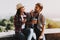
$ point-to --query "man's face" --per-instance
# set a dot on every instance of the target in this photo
(37, 8)
(22, 9)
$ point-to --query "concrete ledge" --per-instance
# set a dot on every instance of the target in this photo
(47, 31)
(7, 34)
(50, 34)
(51, 31)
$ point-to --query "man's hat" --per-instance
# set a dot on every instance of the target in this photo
(19, 6)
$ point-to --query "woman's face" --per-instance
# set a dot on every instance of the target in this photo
(22, 9)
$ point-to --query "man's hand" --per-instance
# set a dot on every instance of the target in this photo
(31, 12)
(41, 37)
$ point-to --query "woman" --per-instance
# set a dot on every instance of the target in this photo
(19, 21)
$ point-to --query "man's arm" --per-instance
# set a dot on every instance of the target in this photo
(43, 24)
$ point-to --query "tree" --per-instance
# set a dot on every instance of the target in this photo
(0, 30)
(2, 23)
(11, 18)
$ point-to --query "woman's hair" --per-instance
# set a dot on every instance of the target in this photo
(18, 12)
(17, 15)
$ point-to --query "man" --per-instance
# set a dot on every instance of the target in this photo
(41, 21)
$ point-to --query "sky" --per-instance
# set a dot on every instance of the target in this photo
(51, 8)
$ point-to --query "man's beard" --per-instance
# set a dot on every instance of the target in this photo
(36, 11)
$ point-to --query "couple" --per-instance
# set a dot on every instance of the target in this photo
(23, 23)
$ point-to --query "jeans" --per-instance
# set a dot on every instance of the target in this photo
(32, 34)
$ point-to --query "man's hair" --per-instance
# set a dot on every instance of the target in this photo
(40, 5)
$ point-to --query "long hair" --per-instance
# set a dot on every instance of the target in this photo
(17, 16)
(18, 12)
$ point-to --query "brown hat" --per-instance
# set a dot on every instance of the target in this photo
(19, 6)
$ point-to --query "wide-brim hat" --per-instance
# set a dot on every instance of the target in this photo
(19, 5)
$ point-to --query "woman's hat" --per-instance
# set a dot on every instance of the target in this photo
(19, 6)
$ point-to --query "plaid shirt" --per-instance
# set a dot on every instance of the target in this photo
(17, 23)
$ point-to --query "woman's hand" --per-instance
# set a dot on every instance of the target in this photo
(24, 20)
